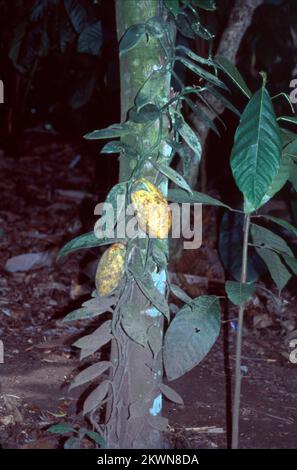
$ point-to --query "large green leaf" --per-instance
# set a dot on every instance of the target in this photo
(256, 153)
(238, 292)
(191, 335)
(180, 196)
(282, 223)
(278, 181)
(234, 74)
(277, 269)
(87, 240)
(267, 239)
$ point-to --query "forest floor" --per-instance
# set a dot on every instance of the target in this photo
(47, 198)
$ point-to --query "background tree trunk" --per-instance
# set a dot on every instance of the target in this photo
(239, 21)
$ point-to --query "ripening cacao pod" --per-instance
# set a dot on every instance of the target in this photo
(152, 210)
(110, 269)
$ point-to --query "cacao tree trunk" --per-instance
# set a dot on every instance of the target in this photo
(133, 418)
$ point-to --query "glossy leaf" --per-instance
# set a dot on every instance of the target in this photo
(256, 153)
(278, 181)
(277, 269)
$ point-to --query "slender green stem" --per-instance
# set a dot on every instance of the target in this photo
(236, 403)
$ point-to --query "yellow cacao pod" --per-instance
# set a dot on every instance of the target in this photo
(110, 269)
(152, 210)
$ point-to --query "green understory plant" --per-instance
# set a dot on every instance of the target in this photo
(263, 160)
(152, 131)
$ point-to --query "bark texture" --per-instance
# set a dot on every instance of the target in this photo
(239, 21)
(134, 416)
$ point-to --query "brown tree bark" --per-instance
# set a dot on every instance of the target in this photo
(134, 414)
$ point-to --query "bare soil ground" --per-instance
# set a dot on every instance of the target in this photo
(44, 203)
